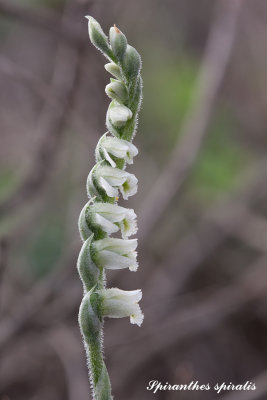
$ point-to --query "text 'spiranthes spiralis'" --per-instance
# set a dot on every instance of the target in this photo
(102, 216)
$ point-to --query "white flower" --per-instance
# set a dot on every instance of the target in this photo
(119, 114)
(121, 303)
(109, 217)
(117, 147)
(113, 253)
(112, 179)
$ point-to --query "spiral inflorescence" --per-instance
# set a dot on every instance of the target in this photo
(102, 216)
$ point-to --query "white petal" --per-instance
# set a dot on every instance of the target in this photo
(134, 264)
(121, 303)
(137, 318)
(114, 176)
(111, 260)
(129, 187)
(128, 226)
(105, 224)
(109, 189)
(119, 148)
(132, 152)
(119, 114)
(112, 212)
(119, 246)
(108, 158)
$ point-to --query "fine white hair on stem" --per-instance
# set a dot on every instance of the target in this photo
(102, 216)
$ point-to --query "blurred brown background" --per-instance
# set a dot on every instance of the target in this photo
(201, 204)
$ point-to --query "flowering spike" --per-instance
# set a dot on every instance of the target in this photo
(102, 216)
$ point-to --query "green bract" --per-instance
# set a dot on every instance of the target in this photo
(102, 216)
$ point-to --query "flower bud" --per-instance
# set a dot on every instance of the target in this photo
(117, 90)
(98, 37)
(118, 114)
(131, 63)
(119, 303)
(118, 42)
(114, 70)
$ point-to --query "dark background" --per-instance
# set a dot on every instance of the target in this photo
(201, 202)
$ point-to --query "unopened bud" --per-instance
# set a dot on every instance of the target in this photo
(114, 70)
(98, 37)
(117, 90)
(119, 114)
(118, 42)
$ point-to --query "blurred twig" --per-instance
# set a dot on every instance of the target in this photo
(207, 235)
(51, 124)
(37, 85)
(26, 308)
(69, 349)
(216, 57)
(196, 319)
(3, 264)
(44, 19)
(256, 235)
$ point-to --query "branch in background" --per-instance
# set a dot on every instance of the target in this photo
(51, 124)
(66, 345)
(43, 19)
(23, 75)
(207, 235)
(199, 318)
(3, 264)
(252, 231)
(26, 308)
(216, 58)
